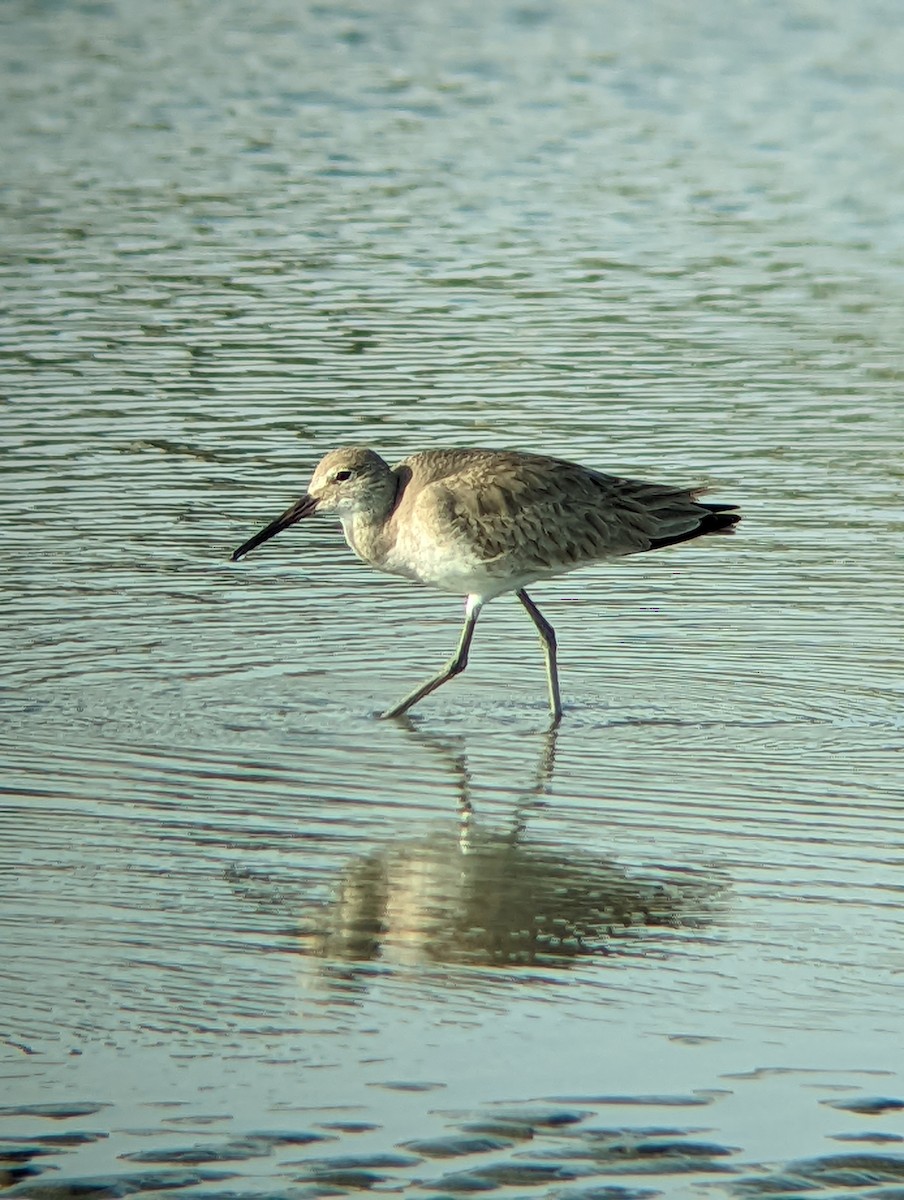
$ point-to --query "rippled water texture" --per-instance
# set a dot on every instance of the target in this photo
(255, 942)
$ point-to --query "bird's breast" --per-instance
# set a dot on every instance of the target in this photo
(411, 551)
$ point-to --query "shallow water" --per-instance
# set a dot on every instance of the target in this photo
(256, 942)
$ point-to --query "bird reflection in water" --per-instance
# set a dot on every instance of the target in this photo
(469, 894)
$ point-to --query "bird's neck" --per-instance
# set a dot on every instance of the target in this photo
(370, 535)
(362, 532)
(371, 532)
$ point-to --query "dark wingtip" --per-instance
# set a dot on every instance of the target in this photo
(718, 518)
(721, 518)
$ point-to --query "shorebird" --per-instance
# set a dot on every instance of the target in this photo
(481, 523)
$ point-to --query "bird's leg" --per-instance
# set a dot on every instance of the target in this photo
(454, 666)
(548, 638)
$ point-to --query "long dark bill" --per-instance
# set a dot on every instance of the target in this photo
(304, 507)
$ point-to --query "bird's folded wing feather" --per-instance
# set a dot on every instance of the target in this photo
(553, 514)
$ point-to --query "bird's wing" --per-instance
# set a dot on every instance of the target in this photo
(551, 514)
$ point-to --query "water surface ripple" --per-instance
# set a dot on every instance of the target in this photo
(257, 943)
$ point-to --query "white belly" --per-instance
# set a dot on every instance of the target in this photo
(450, 566)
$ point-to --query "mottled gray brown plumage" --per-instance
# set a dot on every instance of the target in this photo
(483, 522)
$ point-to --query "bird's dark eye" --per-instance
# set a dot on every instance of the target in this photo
(341, 476)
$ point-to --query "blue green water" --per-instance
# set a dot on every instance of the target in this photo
(657, 954)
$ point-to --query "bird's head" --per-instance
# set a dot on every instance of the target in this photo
(346, 483)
